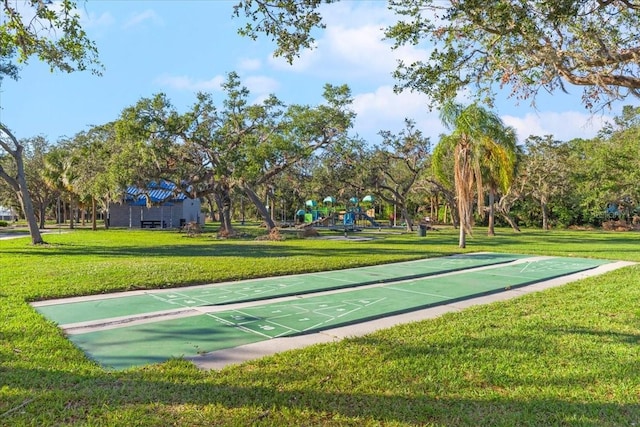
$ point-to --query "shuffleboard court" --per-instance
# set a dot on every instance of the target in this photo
(110, 306)
(199, 333)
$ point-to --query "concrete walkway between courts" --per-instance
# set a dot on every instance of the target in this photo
(221, 324)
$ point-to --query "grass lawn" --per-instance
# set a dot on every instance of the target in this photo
(568, 356)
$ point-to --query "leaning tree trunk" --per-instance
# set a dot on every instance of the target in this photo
(19, 185)
(504, 209)
(264, 212)
(407, 219)
(27, 208)
(511, 222)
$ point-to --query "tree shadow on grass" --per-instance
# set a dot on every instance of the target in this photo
(461, 379)
(226, 249)
(63, 397)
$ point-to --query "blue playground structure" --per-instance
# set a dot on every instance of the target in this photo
(348, 218)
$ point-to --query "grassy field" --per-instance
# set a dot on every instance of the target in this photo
(568, 356)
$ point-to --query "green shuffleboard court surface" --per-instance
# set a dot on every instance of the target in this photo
(123, 346)
(107, 307)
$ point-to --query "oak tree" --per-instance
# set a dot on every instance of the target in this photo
(50, 31)
(525, 47)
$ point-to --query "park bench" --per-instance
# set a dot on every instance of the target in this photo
(152, 223)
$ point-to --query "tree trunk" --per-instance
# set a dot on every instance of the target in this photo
(107, 215)
(462, 240)
(94, 214)
(491, 231)
(450, 208)
(19, 185)
(545, 215)
(432, 209)
(223, 200)
(72, 214)
(510, 221)
(27, 208)
(212, 214)
(42, 215)
(455, 217)
(504, 208)
(264, 212)
(407, 219)
(272, 210)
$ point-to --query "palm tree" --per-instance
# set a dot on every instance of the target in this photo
(479, 140)
(60, 173)
(498, 167)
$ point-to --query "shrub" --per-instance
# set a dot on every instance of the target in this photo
(274, 235)
(309, 232)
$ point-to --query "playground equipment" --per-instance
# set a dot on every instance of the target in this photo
(349, 218)
(329, 200)
(358, 214)
(313, 215)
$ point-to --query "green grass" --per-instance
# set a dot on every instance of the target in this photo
(567, 356)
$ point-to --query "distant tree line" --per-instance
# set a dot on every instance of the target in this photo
(269, 151)
(262, 161)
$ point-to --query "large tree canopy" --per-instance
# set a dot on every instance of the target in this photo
(52, 32)
(525, 46)
(49, 30)
(214, 149)
(288, 22)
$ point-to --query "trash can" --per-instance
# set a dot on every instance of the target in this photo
(422, 230)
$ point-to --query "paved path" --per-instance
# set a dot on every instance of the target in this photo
(25, 233)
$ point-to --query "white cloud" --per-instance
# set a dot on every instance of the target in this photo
(353, 45)
(93, 21)
(359, 47)
(142, 17)
(188, 83)
(249, 64)
(260, 85)
(564, 126)
(384, 109)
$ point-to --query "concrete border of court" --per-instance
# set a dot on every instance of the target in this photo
(223, 358)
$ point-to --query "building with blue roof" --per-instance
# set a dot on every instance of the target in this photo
(160, 205)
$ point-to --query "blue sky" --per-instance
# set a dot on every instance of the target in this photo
(181, 47)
